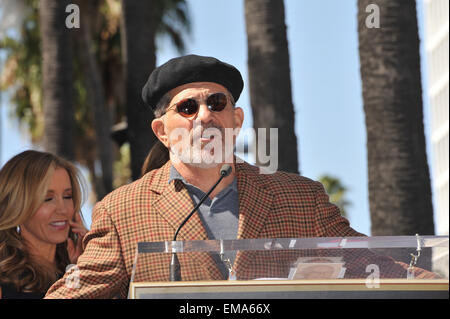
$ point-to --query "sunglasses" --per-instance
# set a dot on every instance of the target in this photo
(189, 107)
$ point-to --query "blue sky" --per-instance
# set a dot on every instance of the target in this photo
(327, 94)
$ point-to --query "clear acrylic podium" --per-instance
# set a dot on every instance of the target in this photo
(293, 268)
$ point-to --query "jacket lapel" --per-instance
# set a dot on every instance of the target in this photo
(174, 204)
(255, 205)
(255, 201)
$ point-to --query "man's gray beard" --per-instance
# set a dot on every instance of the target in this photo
(196, 157)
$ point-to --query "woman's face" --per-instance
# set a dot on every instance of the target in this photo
(50, 223)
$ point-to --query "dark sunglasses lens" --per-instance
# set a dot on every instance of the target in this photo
(217, 102)
(187, 107)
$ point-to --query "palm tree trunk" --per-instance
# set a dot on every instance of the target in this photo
(57, 79)
(399, 181)
(269, 77)
(138, 49)
(96, 97)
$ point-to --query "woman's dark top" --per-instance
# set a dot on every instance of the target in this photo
(9, 291)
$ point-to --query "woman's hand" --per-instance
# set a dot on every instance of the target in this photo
(75, 249)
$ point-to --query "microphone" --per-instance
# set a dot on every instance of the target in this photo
(175, 273)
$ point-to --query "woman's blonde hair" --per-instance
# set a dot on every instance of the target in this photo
(23, 185)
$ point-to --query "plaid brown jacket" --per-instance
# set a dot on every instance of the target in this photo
(279, 205)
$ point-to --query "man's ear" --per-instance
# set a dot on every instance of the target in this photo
(238, 117)
(158, 128)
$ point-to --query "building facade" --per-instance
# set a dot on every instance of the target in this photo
(436, 46)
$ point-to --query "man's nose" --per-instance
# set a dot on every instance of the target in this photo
(204, 113)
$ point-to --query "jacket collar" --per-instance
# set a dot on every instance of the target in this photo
(174, 202)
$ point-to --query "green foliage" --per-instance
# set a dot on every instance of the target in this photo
(336, 191)
(173, 21)
(123, 165)
(22, 73)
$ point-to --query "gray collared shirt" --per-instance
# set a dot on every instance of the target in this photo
(219, 215)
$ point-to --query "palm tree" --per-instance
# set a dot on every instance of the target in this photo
(97, 80)
(57, 79)
(269, 77)
(96, 95)
(399, 181)
(336, 191)
(139, 59)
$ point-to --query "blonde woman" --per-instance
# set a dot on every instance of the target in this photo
(41, 228)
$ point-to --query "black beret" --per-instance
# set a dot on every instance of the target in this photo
(189, 69)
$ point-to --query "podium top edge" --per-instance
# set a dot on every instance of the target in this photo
(374, 242)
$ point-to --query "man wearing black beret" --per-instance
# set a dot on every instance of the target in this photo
(194, 98)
